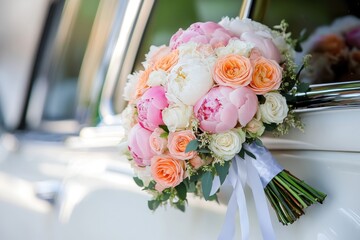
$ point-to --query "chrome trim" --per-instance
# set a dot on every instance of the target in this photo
(329, 96)
(128, 29)
(245, 10)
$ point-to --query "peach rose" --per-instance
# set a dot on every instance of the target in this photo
(157, 143)
(177, 143)
(197, 162)
(266, 77)
(167, 62)
(141, 86)
(167, 171)
(233, 70)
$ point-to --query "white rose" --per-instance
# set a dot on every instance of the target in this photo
(235, 46)
(157, 78)
(275, 109)
(189, 80)
(226, 145)
(177, 116)
(130, 87)
(255, 128)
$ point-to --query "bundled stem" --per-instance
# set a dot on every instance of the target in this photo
(289, 196)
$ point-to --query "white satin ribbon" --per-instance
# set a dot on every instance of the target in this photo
(242, 172)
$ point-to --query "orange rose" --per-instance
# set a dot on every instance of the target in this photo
(167, 62)
(141, 86)
(233, 70)
(167, 171)
(177, 143)
(266, 77)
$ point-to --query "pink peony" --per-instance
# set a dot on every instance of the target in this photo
(215, 111)
(139, 145)
(265, 45)
(150, 107)
(205, 33)
(246, 103)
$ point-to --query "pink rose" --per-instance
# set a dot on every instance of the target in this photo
(215, 111)
(177, 143)
(150, 107)
(139, 145)
(157, 143)
(208, 32)
(246, 103)
(353, 37)
(265, 45)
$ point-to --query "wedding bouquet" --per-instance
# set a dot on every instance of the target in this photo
(335, 51)
(197, 110)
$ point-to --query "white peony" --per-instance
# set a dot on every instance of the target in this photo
(203, 52)
(130, 87)
(144, 173)
(154, 53)
(177, 116)
(239, 26)
(275, 109)
(227, 145)
(188, 81)
(235, 46)
(128, 118)
(157, 78)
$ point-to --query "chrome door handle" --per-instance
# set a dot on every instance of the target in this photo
(48, 190)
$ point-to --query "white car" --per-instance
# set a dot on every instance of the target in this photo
(63, 65)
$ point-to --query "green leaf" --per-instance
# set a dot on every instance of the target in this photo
(191, 187)
(153, 204)
(192, 146)
(261, 99)
(180, 205)
(165, 128)
(165, 196)
(181, 191)
(151, 186)
(222, 170)
(270, 127)
(250, 154)
(206, 184)
(303, 87)
(290, 98)
(259, 142)
(242, 153)
(164, 135)
(204, 150)
(138, 181)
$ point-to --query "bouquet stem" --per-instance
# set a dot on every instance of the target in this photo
(289, 196)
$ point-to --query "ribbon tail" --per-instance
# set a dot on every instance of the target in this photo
(261, 206)
(238, 200)
(215, 185)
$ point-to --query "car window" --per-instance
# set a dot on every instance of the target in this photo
(332, 35)
(21, 25)
(67, 86)
(166, 18)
